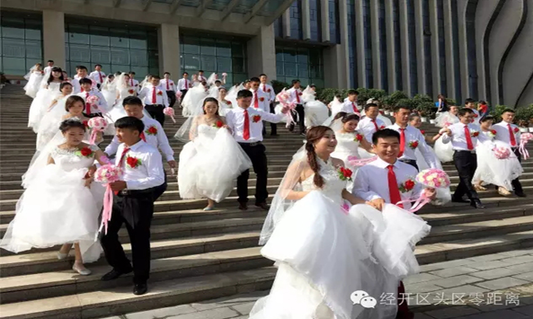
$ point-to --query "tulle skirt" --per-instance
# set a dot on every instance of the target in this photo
(192, 102)
(34, 83)
(49, 125)
(444, 151)
(491, 170)
(55, 209)
(208, 167)
(324, 255)
(39, 107)
(110, 96)
(316, 113)
(343, 155)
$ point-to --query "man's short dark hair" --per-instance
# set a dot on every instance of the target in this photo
(185, 73)
(255, 79)
(166, 73)
(352, 92)
(508, 110)
(132, 100)
(131, 123)
(131, 72)
(369, 105)
(243, 94)
(63, 84)
(399, 107)
(155, 76)
(50, 61)
(86, 81)
(312, 86)
(81, 67)
(295, 81)
(262, 74)
(469, 100)
(384, 133)
(200, 71)
(97, 65)
(464, 111)
(218, 81)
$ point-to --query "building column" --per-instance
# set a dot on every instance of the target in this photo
(306, 20)
(463, 49)
(435, 65)
(421, 57)
(451, 73)
(391, 62)
(286, 23)
(404, 36)
(360, 45)
(376, 48)
(261, 51)
(54, 37)
(337, 58)
(324, 18)
(169, 50)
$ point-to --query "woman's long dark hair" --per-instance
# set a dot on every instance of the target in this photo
(210, 99)
(314, 134)
(51, 77)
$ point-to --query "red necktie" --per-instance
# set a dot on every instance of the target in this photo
(402, 142)
(468, 138)
(154, 98)
(131, 82)
(186, 85)
(511, 135)
(375, 125)
(355, 110)
(246, 132)
(121, 161)
(100, 74)
(256, 100)
(264, 88)
(142, 136)
(297, 96)
(394, 192)
(168, 89)
(87, 105)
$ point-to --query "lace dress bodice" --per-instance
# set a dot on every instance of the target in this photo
(206, 131)
(72, 159)
(125, 92)
(333, 185)
(488, 135)
(347, 145)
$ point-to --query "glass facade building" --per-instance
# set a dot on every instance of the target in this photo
(305, 64)
(21, 42)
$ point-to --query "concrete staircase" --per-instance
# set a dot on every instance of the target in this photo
(201, 255)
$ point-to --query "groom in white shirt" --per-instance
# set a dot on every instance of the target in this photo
(388, 180)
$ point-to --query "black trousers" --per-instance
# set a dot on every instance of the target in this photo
(171, 98)
(183, 92)
(273, 126)
(299, 118)
(156, 111)
(410, 162)
(517, 186)
(466, 164)
(136, 212)
(257, 153)
(159, 190)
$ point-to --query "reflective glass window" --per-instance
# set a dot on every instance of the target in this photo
(305, 64)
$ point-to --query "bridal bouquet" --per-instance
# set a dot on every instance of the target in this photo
(97, 125)
(107, 174)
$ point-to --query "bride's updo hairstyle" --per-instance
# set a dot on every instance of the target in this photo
(313, 135)
(70, 123)
(346, 117)
(71, 100)
(210, 99)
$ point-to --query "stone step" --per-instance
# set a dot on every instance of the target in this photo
(119, 300)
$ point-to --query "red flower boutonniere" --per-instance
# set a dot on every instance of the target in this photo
(228, 102)
(474, 133)
(382, 112)
(407, 186)
(269, 90)
(159, 93)
(382, 127)
(358, 137)
(130, 91)
(492, 133)
(413, 144)
(345, 174)
(171, 84)
(423, 132)
(218, 124)
(152, 130)
(300, 93)
(133, 162)
(256, 118)
(85, 152)
(261, 99)
(476, 116)
(516, 130)
(86, 124)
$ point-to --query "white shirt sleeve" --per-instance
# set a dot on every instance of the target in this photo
(269, 117)
(163, 144)
(112, 148)
(361, 187)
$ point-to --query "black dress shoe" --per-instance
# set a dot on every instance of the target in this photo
(140, 289)
(459, 200)
(113, 274)
(476, 203)
(273, 135)
(521, 194)
(263, 206)
(243, 206)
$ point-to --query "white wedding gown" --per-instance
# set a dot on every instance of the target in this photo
(210, 164)
(323, 254)
(41, 103)
(491, 170)
(50, 122)
(56, 208)
(34, 82)
(347, 145)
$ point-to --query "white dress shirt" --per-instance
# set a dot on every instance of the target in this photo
(146, 95)
(295, 95)
(502, 133)
(264, 104)
(184, 84)
(458, 138)
(102, 103)
(169, 87)
(159, 140)
(76, 86)
(48, 69)
(269, 91)
(149, 173)
(201, 78)
(413, 134)
(367, 127)
(95, 75)
(134, 84)
(235, 121)
(372, 181)
(348, 106)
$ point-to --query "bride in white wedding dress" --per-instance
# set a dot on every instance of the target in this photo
(324, 252)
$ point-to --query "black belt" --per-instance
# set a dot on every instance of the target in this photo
(406, 160)
(463, 151)
(251, 144)
(154, 105)
(131, 192)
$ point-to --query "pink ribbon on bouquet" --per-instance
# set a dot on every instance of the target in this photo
(524, 139)
(345, 208)
(107, 174)
(354, 161)
(170, 112)
(419, 202)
